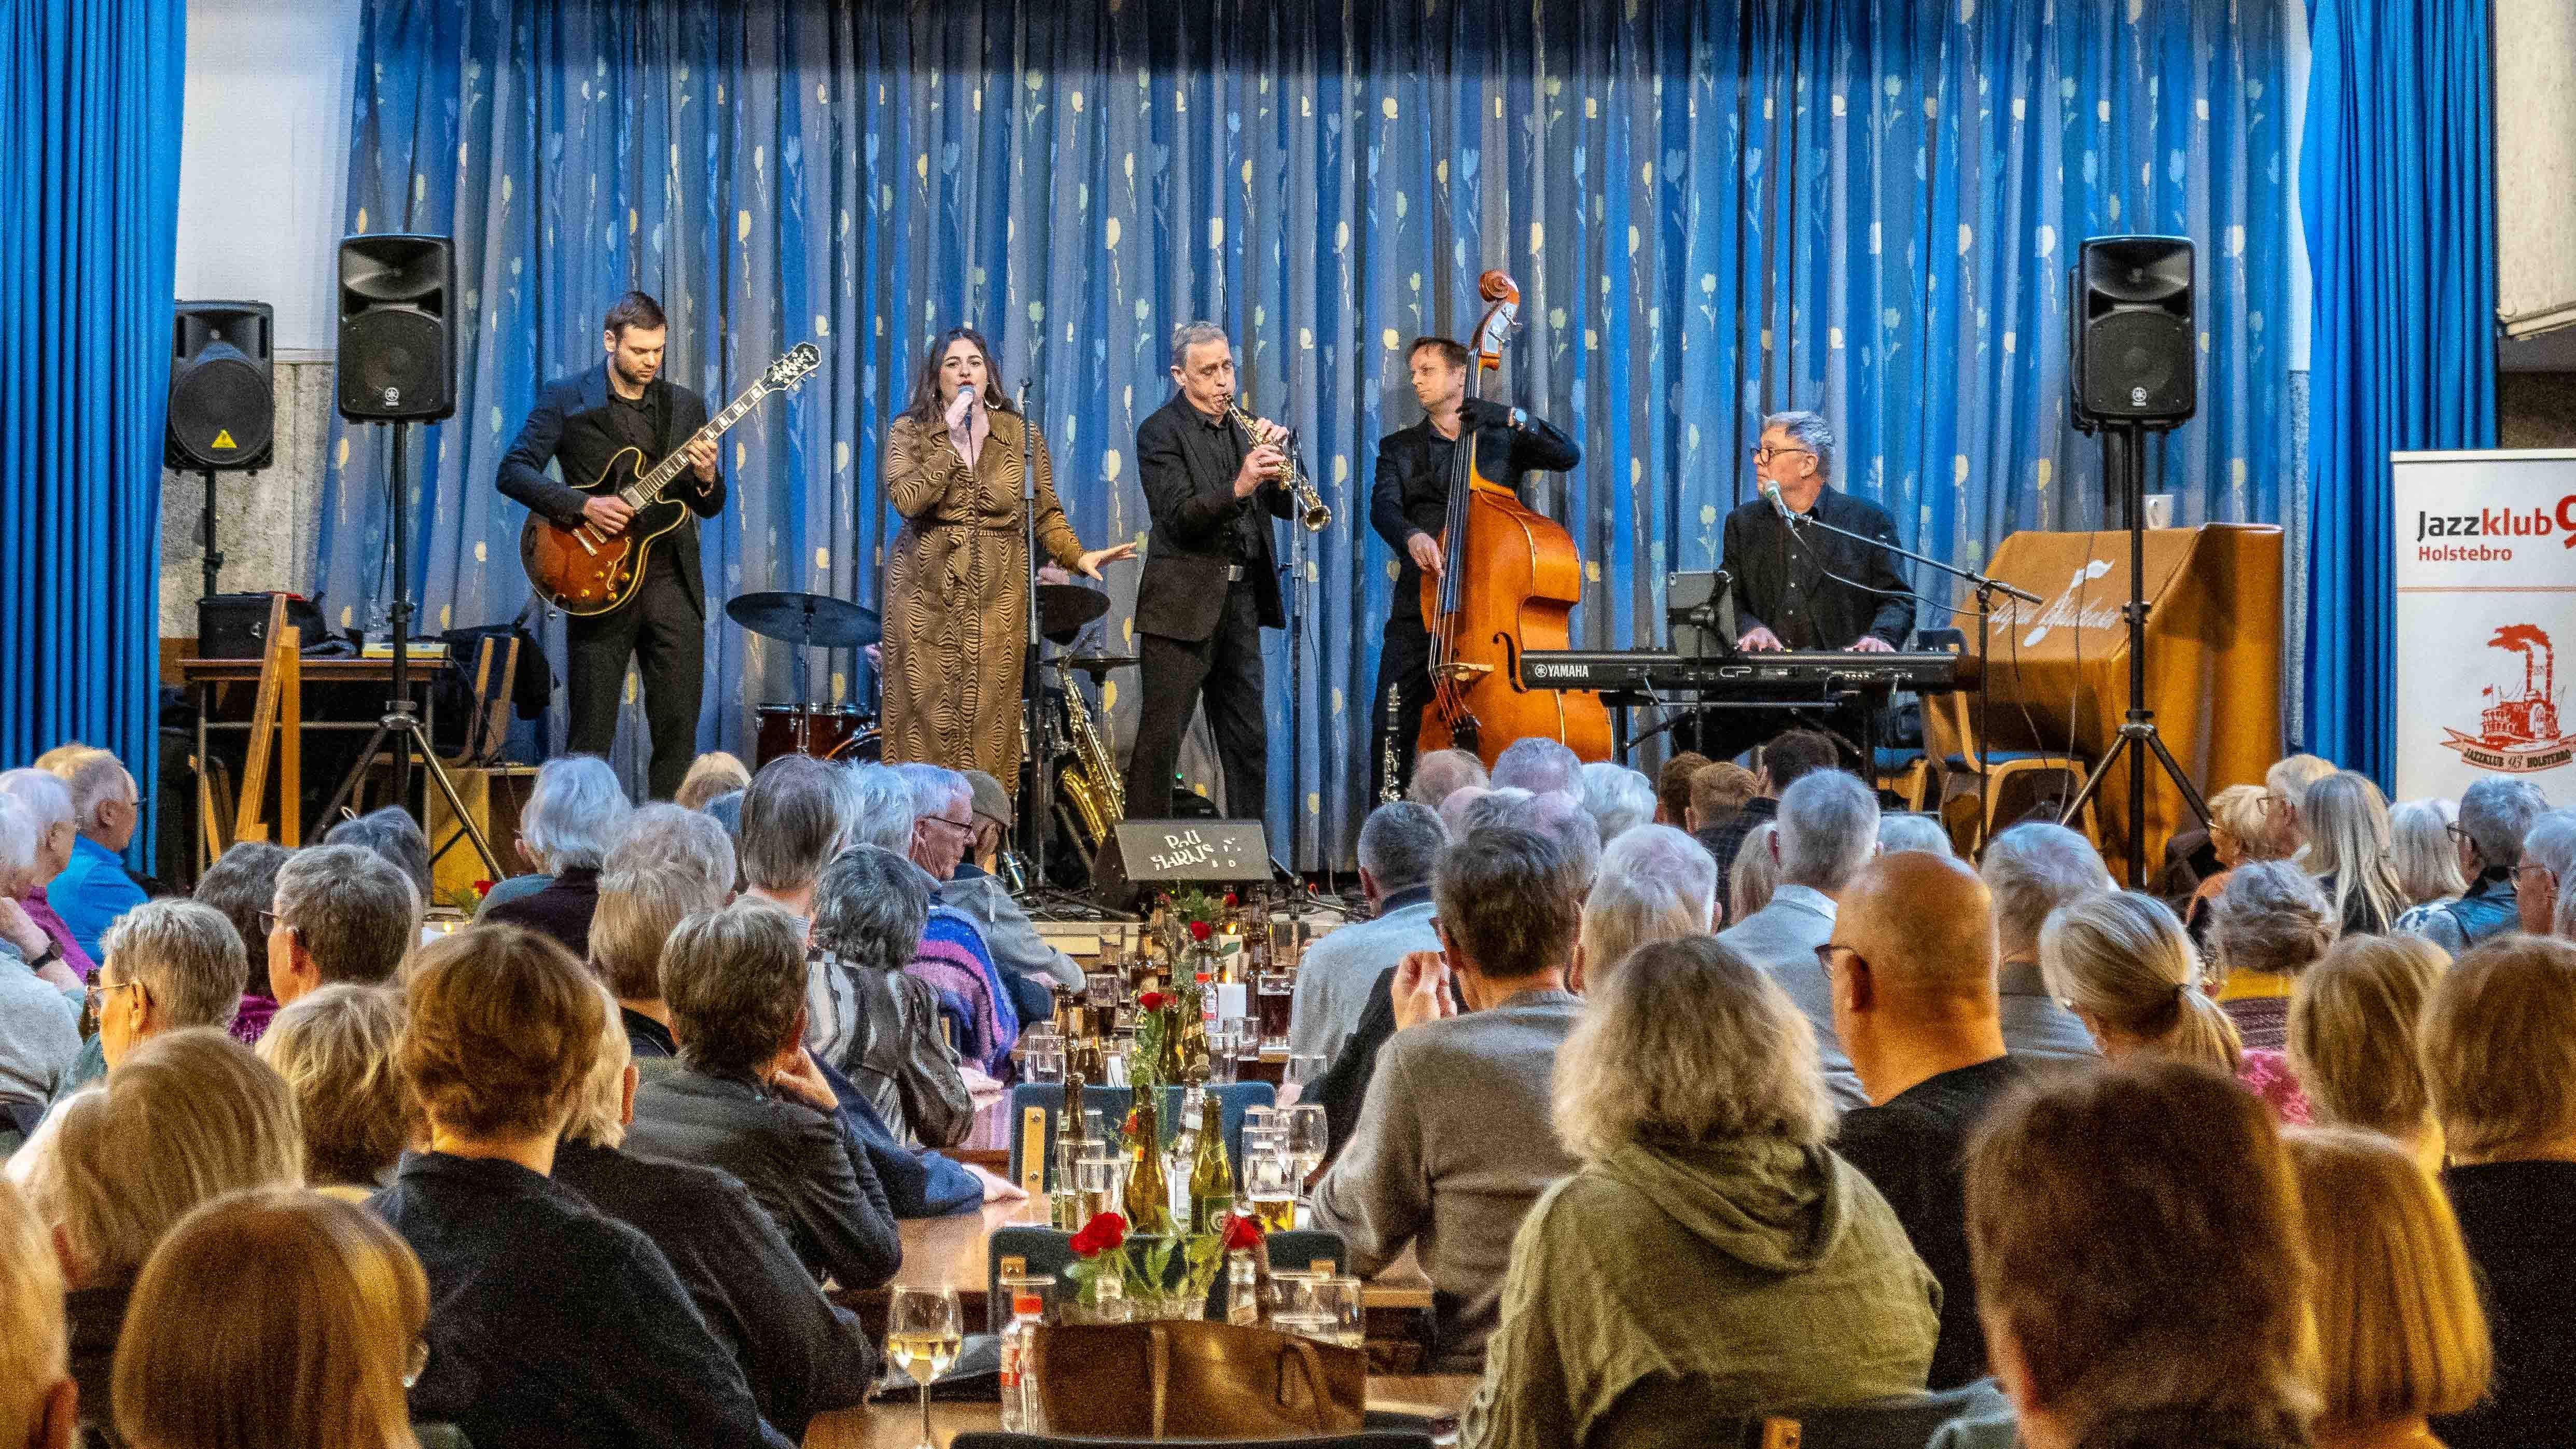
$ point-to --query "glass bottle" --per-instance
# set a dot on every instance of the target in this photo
(1149, 1207)
(1211, 1178)
(1242, 1289)
(1020, 1412)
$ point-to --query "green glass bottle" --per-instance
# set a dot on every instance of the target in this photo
(1149, 1204)
(1211, 1178)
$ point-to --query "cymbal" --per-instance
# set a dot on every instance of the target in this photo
(1063, 609)
(813, 619)
(1097, 665)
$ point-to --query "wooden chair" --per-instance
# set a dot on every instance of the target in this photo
(1950, 735)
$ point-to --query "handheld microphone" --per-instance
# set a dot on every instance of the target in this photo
(1771, 491)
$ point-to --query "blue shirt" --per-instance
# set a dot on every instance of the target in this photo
(92, 893)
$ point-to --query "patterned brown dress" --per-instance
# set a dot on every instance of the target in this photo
(956, 601)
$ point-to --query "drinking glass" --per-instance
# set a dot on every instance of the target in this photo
(1258, 1117)
(1300, 1071)
(1308, 1135)
(1221, 1058)
(923, 1331)
(1273, 998)
(1041, 1054)
(1097, 1176)
(1101, 992)
(1269, 1187)
(1336, 1309)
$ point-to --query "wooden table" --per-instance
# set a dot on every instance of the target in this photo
(896, 1424)
(207, 677)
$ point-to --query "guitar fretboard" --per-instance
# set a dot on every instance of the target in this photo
(647, 490)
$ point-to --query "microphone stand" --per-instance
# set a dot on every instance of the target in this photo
(1037, 812)
(1986, 588)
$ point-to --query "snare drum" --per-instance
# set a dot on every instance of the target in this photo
(825, 731)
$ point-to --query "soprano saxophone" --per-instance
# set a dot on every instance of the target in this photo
(1310, 504)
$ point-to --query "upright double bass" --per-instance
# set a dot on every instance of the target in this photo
(1508, 579)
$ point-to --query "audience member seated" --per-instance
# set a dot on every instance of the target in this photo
(40, 1041)
(1913, 961)
(726, 810)
(878, 807)
(1440, 774)
(1909, 831)
(2285, 791)
(2270, 924)
(94, 889)
(1786, 760)
(393, 834)
(663, 833)
(717, 772)
(171, 964)
(341, 913)
(47, 805)
(242, 883)
(1399, 842)
(1673, 788)
(2428, 864)
(1617, 798)
(1710, 1258)
(2548, 857)
(36, 1389)
(2400, 1336)
(1756, 875)
(339, 1051)
(981, 893)
(2495, 814)
(1539, 765)
(2143, 1287)
(2122, 963)
(2356, 1039)
(549, 1323)
(751, 1100)
(864, 1016)
(1559, 815)
(2241, 828)
(2029, 871)
(574, 815)
(1655, 884)
(273, 1317)
(800, 1354)
(188, 1117)
(943, 837)
(1461, 804)
(1453, 1142)
(791, 826)
(1828, 831)
(1719, 791)
(2500, 1058)
(641, 903)
(2349, 852)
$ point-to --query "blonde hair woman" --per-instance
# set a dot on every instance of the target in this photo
(2240, 829)
(2428, 864)
(335, 1048)
(717, 772)
(2401, 1337)
(273, 1317)
(1755, 874)
(2355, 1043)
(2122, 963)
(2350, 852)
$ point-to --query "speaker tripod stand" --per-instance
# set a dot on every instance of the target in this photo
(399, 731)
(2124, 464)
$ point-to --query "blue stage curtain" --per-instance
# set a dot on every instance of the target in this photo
(89, 201)
(1714, 210)
(2397, 183)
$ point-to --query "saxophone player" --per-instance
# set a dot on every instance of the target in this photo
(1210, 586)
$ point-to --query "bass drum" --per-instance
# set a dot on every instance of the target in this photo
(825, 731)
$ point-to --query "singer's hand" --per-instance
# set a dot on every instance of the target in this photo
(1260, 466)
(1760, 638)
(607, 515)
(1871, 644)
(1091, 562)
(962, 406)
(1425, 551)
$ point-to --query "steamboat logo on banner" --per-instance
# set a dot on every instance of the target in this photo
(2518, 727)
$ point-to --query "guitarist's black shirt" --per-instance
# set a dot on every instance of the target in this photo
(630, 425)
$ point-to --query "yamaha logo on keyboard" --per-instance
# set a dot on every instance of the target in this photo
(1557, 671)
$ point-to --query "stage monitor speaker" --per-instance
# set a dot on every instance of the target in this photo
(397, 328)
(222, 414)
(2132, 352)
(1139, 853)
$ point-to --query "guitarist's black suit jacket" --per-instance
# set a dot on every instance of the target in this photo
(570, 425)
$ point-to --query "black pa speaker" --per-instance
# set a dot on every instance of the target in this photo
(397, 328)
(222, 414)
(2132, 352)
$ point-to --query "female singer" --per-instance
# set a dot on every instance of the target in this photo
(956, 588)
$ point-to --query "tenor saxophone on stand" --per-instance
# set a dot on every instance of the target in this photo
(1310, 505)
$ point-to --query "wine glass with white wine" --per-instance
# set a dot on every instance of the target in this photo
(923, 1331)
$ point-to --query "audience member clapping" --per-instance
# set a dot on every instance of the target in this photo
(2400, 1335)
(1539, 765)
(2495, 814)
(340, 913)
(800, 1354)
(864, 1015)
(717, 772)
(1913, 961)
(188, 1117)
(2428, 864)
(1617, 798)
(2350, 852)
(393, 834)
(1342, 972)
(2139, 1265)
(2356, 1042)
(45, 804)
(750, 1099)
(2030, 870)
(242, 883)
(1673, 788)
(273, 1317)
(2122, 964)
(574, 816)
(37, 1408)
(338, 1050)
(550, 1324)
(1828, 831)
(1709, 1258)
(2548, 861)
(2500, 1057)
(93, 889)
(1440, 774)
(2270, 924)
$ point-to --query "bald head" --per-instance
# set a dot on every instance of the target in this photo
(1926, 926)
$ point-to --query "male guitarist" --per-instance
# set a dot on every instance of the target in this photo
(581, 422)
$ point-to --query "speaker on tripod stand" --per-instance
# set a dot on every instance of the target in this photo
(2132, 359)
(222, 412)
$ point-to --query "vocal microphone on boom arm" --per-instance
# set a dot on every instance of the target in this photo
(1310, 504)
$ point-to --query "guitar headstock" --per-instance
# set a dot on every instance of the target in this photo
(790, 370)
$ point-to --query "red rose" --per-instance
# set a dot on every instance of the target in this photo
(1201, 930)
(1105, 1233)
(482, 888)
(1242, 1234)
(1229, 899)
(1152, 1001)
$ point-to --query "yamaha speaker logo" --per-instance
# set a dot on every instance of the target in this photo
(393, 397)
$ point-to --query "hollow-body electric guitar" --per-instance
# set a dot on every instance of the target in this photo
(585, 572)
